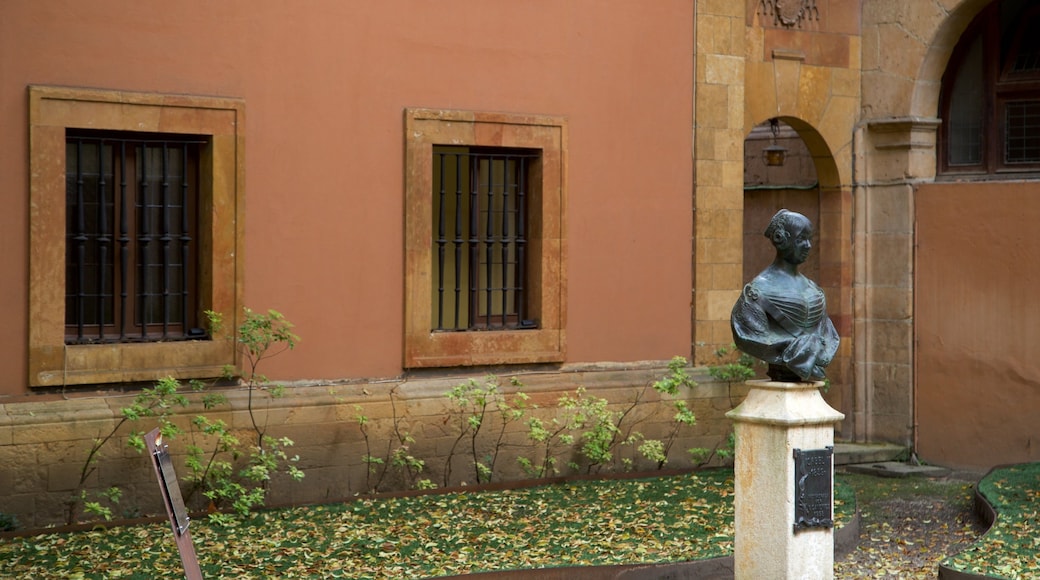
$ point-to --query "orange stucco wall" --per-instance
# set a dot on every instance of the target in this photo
(977, 323)
(325, 84)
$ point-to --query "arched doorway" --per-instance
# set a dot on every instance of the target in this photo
(790, 183)
(802, 183)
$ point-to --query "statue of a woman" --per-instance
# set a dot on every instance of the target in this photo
(781, 316)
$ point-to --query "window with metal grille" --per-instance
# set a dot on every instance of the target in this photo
(1022, 143)
(990, 102)
(131, 237)
(480, 238)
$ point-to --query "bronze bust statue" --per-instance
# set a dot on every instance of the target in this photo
(781, 316)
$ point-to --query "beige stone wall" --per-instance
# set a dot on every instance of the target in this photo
(43, 445)
(905, 49)
(860, 81)
(719, 169)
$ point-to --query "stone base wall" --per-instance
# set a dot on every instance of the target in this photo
(43, 446)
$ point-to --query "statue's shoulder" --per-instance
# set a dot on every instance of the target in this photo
(749, 315)
(758, 286)
(751, 292)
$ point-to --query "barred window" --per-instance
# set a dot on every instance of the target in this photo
(990, 102)
(485, 258)
(480, 239)
(1022, 143)
(131, 237)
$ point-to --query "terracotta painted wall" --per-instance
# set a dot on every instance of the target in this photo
(325, 84)
(977, 323)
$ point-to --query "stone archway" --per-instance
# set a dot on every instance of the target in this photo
(794, 185)
(924, 101)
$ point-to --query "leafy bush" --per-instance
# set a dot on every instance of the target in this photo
(734, 366)
(220, 467)
(581, 432)
(8, 522)
(236, 474)
(158, 402)
(472, 405)
(398, 454)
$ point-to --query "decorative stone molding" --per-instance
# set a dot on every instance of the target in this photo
(904, 132)
(788, 54)
(790, 13)
(546, 248)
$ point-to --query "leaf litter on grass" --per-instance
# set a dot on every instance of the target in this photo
(655, 520)
(907, 526)
(1011, 548)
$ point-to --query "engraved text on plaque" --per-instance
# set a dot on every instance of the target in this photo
(813, 478)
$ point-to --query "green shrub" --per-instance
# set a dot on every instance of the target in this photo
(8, 522)
(219, 466)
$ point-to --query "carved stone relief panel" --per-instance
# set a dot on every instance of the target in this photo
(789, 13)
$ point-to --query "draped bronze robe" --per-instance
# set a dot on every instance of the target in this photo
(789, 329)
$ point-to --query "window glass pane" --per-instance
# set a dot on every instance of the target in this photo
(451, 232)
(966, 101)
(498, 224)
(1018, 25)
(89, 218)
(130, 244)
(1028, 57)
(161, 234)
(479, 237)
(1022, 130)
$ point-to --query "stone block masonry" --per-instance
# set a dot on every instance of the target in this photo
(43, 446)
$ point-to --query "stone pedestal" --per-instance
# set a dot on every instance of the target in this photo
(773, 421)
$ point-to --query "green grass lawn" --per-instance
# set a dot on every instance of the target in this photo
(1011, 548)
(662, 519)
(654, 520)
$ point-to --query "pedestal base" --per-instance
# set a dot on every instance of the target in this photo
(775, 419)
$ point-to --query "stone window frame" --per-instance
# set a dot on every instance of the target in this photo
(53, 110)
(423, 347)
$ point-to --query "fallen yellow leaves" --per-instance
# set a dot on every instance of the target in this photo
(660, 519)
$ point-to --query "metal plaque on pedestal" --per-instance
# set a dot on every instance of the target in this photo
(813, 493)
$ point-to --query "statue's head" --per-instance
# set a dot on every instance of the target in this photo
(791, 234)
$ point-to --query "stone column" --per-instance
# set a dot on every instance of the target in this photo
(773, 421)
(718, 145)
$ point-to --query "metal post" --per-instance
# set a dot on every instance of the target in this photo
(174, 503)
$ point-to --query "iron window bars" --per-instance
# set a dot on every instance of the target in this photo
(130, 244)
(480, 237)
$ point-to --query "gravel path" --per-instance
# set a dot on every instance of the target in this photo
(909, 525)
